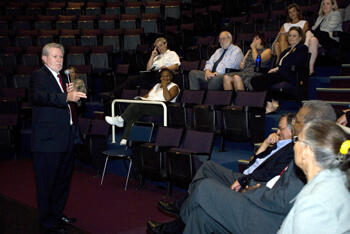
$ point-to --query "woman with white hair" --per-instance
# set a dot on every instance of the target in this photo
(323, 205)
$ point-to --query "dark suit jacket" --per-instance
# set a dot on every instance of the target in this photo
(271, 166)
(297, 57)
(50, 114)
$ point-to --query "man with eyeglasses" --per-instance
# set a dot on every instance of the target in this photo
(212, 206)
(228, 56)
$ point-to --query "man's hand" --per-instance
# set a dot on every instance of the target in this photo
(272, 138)
(208, 74)
(247, 188)
(236, 186)
(342, 120)
(273, 70)
(70, 87)
(154, 52)
(75, 96)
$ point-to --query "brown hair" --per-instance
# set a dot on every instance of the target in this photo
(297, 7)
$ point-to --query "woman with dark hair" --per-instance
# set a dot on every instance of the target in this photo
(294, 19)
(323, 205)
(295, 55)
(165, 91)
(239, 80)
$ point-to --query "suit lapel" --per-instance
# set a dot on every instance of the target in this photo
(284, 150)
(52, 80)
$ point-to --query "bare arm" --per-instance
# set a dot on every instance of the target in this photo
(266, 55)
(271, 139)
(170, 94)
(150, 61)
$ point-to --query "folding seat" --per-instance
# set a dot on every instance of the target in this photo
(35, 8)
(192, 53)
(4, 21)
(99, 59)
(243, 40)
(245, 120)
(132, 38)
(149, 23)
(187, 34)
(84, 73)
(68, 37)
(55, 8)
(8, 59)
(13, 10)
(153, 7)
(86, 22)
(333, 94)
(107, 22)
(180, 161)
(8, 132)
(180, 114)
(215, 15)
(204, 42)
(111, 37)
(139, 134)
(207, 116)
(172, 10)
(128, 21)
(153, 155)
(259, 19)
(133, 8)
(74, 8)
(237, 22)
(89, 37)
(24, 38)
(94, 8)
(186, 67)
(21, 78)
(47, 36)
(22, 24)
(65, 21)
(278, 5)
(31, 56)
(76, 55)
(45, 22)
(113, 8)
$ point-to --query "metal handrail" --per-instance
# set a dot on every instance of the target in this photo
(165, 120)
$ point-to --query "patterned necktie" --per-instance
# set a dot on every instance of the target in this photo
(218, 61)
(61, 82)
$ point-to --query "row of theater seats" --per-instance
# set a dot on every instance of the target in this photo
(168, 9)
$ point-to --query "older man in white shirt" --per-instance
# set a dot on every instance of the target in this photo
(228, 56)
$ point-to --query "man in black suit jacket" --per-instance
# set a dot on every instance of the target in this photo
(52, 136)
(212, 207)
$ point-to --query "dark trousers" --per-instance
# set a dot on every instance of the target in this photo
(265, 81)
(135, 111)
(53, 172)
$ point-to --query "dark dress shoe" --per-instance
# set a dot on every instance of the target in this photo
(169, 207)
(174, 227)
(67, 220)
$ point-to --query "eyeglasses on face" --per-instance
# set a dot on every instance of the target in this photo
(296, 139)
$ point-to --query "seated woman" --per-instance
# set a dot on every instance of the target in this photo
(239, 80)
(328, 21)
(323, 205)
(295, 55)
(165, 91)
(294, 19)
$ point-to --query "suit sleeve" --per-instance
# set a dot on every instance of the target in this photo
(41, 94)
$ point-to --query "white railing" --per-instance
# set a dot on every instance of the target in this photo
(165, 122)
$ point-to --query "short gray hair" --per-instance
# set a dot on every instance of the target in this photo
(160, 39)
(290, 117)
(47, 47)
(319, 110)
(325, 138)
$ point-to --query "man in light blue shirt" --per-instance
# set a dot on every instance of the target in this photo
(228, 56)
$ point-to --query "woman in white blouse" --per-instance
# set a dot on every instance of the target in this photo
(165, 91)
(323, 205)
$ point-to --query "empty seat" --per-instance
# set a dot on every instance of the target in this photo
(68, 37)
(132, 38)
(89, 37)
(133, 8)
(111, 37)
(113, 8)
(93, 8)
(149, 23)
(153, 7)
(128, 21)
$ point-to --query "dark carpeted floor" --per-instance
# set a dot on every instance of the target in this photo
(99, 209)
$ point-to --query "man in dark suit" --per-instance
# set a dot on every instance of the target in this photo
(52, 136)
(212, 206)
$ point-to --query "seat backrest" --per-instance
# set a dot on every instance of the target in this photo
(198, 141)
(168, 136)
(141, 132)
(99, 127)
(192, 96)
(84, 125)
(252, 99)
(129, 93)
(218, 97)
